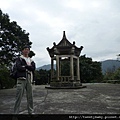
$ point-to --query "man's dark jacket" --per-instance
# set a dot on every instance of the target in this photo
(22, 66)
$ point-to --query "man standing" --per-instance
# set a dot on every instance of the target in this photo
(25, 68)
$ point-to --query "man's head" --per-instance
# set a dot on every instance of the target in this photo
(26, 50)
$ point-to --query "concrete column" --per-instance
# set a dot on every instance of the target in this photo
(52, 68)
(57, 66)
(60, 66)
(78, 69)
(71, 67)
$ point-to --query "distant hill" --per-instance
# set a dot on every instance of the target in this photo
(106, 65)
(45, 67)
(110, 65)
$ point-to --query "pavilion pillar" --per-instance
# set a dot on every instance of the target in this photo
(52, 68)
(71, 67)
(78, 69)
(57, 67)
(60, 66)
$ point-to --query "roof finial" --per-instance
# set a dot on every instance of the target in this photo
(64, 36)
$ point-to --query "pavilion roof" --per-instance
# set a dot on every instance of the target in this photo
(64, 47)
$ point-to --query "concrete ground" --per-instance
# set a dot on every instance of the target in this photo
(98, 98)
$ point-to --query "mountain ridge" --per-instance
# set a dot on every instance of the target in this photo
(110, 65)
(105, 65)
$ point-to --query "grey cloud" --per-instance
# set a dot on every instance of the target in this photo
(96, 28)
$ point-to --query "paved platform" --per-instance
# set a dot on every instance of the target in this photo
(97, 98)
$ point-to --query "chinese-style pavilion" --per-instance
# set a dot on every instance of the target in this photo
(65, 50)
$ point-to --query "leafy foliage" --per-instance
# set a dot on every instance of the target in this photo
(112, 75)
(12, 39)
(5, 80)
(42, 77)
(116, 74)
(31, 54)
(65, 68)
(90, 71)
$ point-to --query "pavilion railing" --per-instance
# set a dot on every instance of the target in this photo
(66, 78)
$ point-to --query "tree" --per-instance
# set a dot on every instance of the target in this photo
(12, 39)
(90, 71)
(5, 80)
(65, 67)
(116, 74)
(42, 77)
(31, 54)
(112, 75)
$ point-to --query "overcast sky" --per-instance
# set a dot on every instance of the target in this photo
(93, 24)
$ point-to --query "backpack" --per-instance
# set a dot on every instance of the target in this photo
(13, 71)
